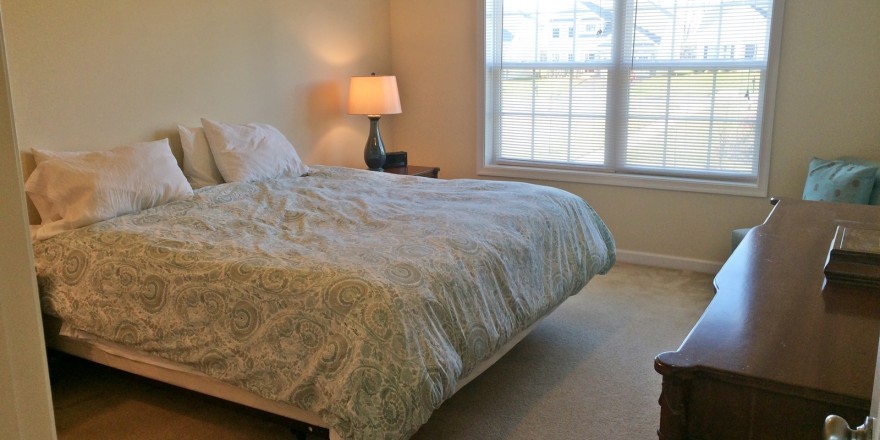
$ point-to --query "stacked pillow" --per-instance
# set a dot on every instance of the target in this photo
(75, 189)
(198, 163)
(218, 152)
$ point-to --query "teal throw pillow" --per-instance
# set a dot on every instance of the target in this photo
(875, 193)
(839, 181)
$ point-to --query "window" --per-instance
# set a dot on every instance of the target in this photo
(673, 94)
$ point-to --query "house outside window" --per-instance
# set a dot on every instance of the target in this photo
(657, 95)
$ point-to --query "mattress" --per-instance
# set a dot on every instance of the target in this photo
(362, 297)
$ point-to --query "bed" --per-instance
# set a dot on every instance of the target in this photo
(350, 300)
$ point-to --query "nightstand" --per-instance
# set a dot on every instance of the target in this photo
(414, 170)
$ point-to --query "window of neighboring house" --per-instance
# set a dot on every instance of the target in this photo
(665, 102)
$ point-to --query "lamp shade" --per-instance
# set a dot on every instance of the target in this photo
(373, 95)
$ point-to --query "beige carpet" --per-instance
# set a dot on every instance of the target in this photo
(585, 373)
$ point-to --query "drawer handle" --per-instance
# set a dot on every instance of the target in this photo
(836, 428)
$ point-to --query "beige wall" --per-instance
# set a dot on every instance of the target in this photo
(89, 74)
(828, 104)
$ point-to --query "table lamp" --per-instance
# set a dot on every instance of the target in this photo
(374, 96)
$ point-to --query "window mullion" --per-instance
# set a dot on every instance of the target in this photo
(571, 71)
(712, 121)
(665, 160)
(615, 110)
(535, 75)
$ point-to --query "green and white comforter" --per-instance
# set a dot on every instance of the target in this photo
(361, 296)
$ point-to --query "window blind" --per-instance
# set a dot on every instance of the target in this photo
(658, 87)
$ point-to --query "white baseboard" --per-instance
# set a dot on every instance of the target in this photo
(668, 261)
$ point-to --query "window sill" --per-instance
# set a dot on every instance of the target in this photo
(626, 180)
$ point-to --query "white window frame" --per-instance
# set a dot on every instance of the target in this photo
(489, 167)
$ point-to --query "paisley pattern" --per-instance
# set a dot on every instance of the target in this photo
(361, 296)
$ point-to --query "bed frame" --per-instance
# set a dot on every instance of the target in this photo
(303, 422)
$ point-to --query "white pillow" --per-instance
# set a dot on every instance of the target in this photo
(198, 162)
(75, 189)
(252, 152)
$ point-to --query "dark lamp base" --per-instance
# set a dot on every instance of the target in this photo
(374, 151)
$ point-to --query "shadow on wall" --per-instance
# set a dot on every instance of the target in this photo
(27, 167)
(325, 104)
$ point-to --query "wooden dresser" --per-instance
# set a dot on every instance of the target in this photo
(778, 349)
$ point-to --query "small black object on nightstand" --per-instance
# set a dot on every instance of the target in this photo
(394, 159)
(414, 170)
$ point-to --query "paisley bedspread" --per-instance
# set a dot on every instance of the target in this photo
(360, 296)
